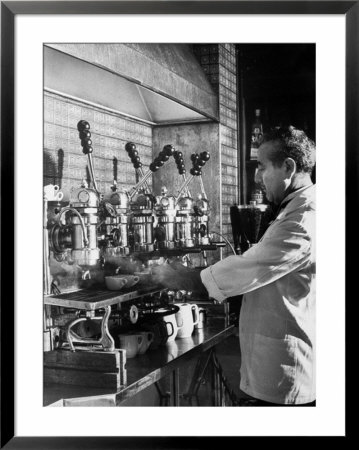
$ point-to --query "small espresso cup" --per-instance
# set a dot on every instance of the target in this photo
(148, 337)
(52, 192)
(131, 343)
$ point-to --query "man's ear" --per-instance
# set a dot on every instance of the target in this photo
(290, 166)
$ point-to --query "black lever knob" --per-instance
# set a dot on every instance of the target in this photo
(194, 158)
(163, 157)
(177, 155)
(195, 172)
(84, 134)
(159, 162)
(204, 156)
(86, 142)
(83, 125)
(168, 150)
(153, 167)
(130, 146)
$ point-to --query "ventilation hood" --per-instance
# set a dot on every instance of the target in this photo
(155, 83)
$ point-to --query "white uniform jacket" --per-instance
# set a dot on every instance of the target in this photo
(277, 318)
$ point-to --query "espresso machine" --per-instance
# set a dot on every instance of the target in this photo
(142, 202)
(74, 235)
(192, 217)
(165, 210)
(116, 217)
(122, 226)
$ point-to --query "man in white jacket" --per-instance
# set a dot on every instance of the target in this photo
(277, 278)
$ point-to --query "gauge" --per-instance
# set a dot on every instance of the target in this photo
(84, 196)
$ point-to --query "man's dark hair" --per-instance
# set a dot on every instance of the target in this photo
(292, 143)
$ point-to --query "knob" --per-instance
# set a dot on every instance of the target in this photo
(164, 157)
(86, 142)
(87, 150)
(194, 157)
(178, 155)
(153, 167)
(130, 147)
(195, 172)
(204, 156)
(83, 125)
(200, 163)
(159, 162)
(84, 134)
(168, 150)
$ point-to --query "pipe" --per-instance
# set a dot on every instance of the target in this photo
(183, 187)
(225, 240)
(241, 134)
(73, 210)
(92, 173)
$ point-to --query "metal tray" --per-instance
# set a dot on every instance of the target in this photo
(96, 298)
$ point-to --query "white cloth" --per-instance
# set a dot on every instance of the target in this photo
(277, 318)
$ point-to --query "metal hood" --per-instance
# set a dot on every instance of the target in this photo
(155, 83)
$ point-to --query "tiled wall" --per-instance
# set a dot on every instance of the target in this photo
(219, 63)
(64, 162)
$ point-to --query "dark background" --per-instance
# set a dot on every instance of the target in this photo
(278, 79)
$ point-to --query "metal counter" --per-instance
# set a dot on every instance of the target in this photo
(146, 370)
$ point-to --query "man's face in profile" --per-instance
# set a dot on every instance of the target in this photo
(272, 177)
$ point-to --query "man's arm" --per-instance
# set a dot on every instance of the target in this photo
(177, 276)
(286, 248)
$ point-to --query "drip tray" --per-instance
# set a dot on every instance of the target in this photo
(93, 299)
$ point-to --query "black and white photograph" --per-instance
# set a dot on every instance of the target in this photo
(179, 224)
(167, 278)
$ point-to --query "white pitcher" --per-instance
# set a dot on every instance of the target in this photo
(187, 317)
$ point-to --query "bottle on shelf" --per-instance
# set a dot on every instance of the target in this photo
(257, 196)
(256, 134)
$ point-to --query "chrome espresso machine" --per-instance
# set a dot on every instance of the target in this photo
(98, 234)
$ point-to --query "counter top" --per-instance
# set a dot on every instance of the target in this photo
(143, 370)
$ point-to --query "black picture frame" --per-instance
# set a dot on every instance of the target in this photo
(9, 10)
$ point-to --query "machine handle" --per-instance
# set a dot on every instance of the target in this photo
(83, 128)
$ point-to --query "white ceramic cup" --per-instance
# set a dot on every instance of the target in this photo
(131, 343)
(146, 342)
(52, 192)
(131, 280)
(115, 282)
(187, 317)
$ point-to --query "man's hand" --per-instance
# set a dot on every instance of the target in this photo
(176, 276)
